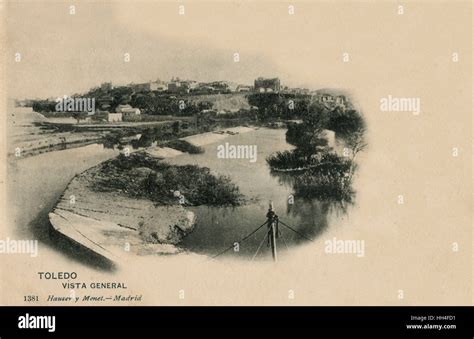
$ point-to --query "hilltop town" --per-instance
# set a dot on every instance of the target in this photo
(162, 110)
(267, 97)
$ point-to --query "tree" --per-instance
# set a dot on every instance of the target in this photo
(44, 106)
(79, 116)
(316, 117)
(345, 123)
(306, 136)
(203, 105)
(269, 104)
(356, 142)
(120, 95)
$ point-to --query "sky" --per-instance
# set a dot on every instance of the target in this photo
(65, 54)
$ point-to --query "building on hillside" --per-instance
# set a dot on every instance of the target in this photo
(325, 98)
(175, 87)
(332, 101)
(191, 84)
(114, 117)
(120, 107)
(243, 88)
(298, 91)
(181, 86)
(340, 100)
(264, 85)
(130, 112)
(159, 87)
(221, 86)
(206, 88)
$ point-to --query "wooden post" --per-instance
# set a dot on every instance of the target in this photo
(273, 242)
(272, 220)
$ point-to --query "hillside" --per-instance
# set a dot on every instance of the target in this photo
(233, 101)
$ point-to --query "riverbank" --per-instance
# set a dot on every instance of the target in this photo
(136, 204)
(211, 137)
(115, 225)
(30, 135)
(48, 143)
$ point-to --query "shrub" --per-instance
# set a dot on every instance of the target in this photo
(329, 178)
(142, 176)
(286, 160)
(183, 146)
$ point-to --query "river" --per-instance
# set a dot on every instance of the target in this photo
(35, 185)
(37, 182)
(218, 228)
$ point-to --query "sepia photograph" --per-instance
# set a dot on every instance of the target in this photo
(236, 153)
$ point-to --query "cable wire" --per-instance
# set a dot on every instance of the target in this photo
(300, 234)
(259, 246)
(241, 240)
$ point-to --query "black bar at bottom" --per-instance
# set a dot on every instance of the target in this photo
(446, 322)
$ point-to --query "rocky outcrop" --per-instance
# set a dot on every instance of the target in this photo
(115, 225)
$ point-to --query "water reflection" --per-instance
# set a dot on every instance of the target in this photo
(218, 228)
(334, 203)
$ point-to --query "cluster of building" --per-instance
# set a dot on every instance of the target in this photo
(261, 85)
(273, 85)
(180, 86)
(331, 101)
(177, 86)
(122, 112)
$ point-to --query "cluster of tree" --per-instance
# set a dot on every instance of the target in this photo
(151, 103)
(48, 108)
(167, 105)
(317, 171)
(109, 99)
(348, 125)
(345, 123)
(159, 181)
(42, 106)
(329, 180)
(306, 136)
(278, 105)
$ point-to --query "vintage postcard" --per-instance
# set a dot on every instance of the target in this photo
(236, 153)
